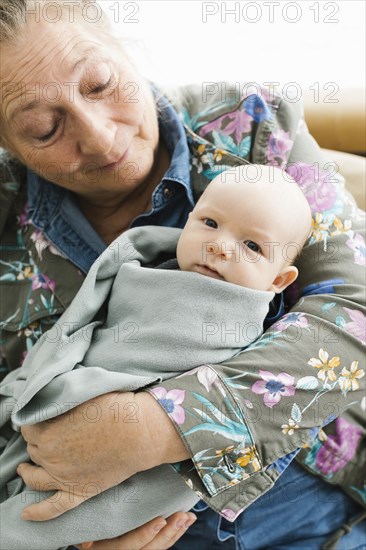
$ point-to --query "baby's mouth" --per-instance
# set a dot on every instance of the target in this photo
(209, 272)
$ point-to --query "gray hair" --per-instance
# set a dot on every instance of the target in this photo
(14, 14)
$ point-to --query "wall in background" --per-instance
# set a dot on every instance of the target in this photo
(318, 44)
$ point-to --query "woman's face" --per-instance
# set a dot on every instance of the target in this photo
(75, 110)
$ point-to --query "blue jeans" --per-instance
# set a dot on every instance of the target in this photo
(299, 512)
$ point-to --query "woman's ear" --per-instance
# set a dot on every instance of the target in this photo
(284, 279)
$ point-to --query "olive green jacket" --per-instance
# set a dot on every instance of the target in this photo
(298, 390)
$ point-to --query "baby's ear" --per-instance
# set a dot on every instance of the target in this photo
(287, 276)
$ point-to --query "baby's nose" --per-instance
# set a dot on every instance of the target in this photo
(229, 247)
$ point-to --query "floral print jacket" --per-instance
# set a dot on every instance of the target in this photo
(298, 391)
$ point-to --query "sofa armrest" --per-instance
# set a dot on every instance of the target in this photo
(353, 169)
(337, 125)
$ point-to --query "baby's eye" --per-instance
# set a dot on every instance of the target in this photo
(210, 223)
(253, 246)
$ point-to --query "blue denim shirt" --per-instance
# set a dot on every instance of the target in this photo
(55, 211)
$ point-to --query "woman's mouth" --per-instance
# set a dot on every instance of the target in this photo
(114, 165)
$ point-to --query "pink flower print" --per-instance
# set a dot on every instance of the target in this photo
(240, 123)
(43, 281)
(339, 448)
(279, 145)
(23, 217)
(214, 126)
(171, 402)
(267, 94)
(358, 245)
(274, 387)
(229, 514)
(41, 243)
(296, 319)
(318, 190)
(207, 377)
(358, 325)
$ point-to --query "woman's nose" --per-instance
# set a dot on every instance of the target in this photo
(95, 133)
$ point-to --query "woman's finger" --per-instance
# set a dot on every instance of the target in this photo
(37, 478)
(60, 502)
(158, 534)
(53, 506)
(177, 525)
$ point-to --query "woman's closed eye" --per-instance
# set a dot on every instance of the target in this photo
(49, 134)
(253, 246)
(93, 89)
(210, 223)
(99, 88)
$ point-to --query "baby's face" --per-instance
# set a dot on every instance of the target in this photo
(238, 233)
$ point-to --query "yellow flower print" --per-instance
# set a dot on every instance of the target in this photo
(29, 330)
(218, 155)
(26, 273)
(289, 429)
(243, 461)
(320, 227)
(326, 367)
(200, 158)
(249, 456)
(349, 378)
(222, 452)
(341, 227)
(322, 436)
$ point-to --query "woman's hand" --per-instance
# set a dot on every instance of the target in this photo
(95, 446)
(158, 534)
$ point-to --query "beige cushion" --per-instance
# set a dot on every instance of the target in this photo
(353, 169)
(337, 120)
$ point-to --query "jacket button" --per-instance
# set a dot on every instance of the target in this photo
(168, 193)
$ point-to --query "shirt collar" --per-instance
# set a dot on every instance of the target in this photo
(174, 136)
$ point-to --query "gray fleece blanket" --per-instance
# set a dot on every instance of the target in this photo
(130, 325)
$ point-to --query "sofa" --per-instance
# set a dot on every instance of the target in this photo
(337, 122)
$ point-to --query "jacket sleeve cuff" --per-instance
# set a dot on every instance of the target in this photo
(212, 426)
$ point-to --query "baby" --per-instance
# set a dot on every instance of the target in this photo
(235, 252)
(247, 232)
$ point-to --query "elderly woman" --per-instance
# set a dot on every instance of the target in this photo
(91, 149)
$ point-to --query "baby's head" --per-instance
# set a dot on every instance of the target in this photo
(247, 228)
